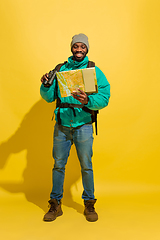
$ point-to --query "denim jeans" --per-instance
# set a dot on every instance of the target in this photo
(64, 137)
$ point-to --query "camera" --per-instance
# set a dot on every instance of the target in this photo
(51, 76)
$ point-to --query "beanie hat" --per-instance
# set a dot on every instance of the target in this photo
(80, 38)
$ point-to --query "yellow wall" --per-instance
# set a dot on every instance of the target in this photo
(124, 42)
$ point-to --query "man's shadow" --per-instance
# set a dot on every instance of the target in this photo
(35, 134)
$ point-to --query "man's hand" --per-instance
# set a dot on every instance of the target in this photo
(44, 77)
(81, 96)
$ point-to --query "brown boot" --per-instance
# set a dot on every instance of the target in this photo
(89, 211)
(54, 211)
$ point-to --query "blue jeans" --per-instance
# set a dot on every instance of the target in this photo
(64, 137)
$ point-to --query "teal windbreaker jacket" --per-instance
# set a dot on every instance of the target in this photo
(96, 101)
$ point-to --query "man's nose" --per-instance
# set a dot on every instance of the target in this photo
(79, 49)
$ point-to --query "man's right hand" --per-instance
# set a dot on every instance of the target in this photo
(44, 77)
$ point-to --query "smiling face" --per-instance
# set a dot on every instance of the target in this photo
(79, 51)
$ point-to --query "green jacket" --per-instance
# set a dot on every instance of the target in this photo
(96, 101)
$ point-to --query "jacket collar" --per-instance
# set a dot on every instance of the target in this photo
(74, 64)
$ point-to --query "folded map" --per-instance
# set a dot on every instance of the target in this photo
(70, 81)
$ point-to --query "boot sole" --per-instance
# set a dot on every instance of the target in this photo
(52, 219)
(90, 219)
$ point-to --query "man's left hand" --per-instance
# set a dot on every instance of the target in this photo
(81, 96)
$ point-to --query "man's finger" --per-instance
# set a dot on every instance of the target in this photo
(79, 98)
(76, 93)
(81, 91)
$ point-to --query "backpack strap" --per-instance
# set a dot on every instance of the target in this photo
(92, 112)
(90, 64)
(93, 116)
(59, 66)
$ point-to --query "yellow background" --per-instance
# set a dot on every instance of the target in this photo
(124, 42)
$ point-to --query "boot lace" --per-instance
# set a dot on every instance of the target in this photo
(52, 207)
(90, 207)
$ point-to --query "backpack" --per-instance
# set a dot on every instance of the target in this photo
(72, 106)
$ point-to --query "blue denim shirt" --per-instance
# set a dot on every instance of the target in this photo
(96, 101)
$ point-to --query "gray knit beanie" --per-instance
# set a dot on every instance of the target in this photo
(80, 38)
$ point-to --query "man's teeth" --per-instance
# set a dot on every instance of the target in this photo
(79, 54)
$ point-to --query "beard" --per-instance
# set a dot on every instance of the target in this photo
(79, 56)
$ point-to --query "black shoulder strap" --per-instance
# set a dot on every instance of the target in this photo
(90, 64)
(94, 113)
(59, 66)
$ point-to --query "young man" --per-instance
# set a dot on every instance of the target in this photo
(76, 127)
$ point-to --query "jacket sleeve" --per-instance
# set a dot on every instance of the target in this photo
(48, 94)
(99, 100)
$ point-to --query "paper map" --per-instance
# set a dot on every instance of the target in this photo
(70, 81)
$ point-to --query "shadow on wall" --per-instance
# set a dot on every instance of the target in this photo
(36, 135)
